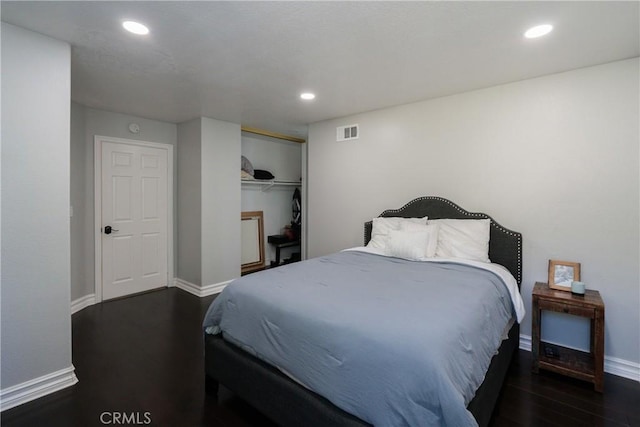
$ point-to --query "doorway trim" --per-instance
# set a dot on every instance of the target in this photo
(97, 199)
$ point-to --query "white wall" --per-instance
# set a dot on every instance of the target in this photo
(36, 320)
(220, 201)
(555, 158)
(82, 277)
(86, 123)
(209, 203)
(189, 219)
(284, 160)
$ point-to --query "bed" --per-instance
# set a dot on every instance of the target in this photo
(292, 395)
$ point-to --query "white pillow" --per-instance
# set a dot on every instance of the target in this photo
(431, 242)
(382, 226)
(463, 238)
(405, 244)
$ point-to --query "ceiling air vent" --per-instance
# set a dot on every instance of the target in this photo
(347, 133)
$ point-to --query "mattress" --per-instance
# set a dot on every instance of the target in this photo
(391, 341)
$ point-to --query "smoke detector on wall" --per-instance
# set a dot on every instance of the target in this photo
(347, 133)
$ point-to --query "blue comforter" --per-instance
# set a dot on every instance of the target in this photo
(391, 341)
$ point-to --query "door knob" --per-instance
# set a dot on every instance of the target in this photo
(108, 229)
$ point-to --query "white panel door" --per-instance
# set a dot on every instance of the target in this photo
(135, 207)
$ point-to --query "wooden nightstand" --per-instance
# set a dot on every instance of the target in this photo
(567, 361)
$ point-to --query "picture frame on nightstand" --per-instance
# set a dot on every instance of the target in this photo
(562, 273)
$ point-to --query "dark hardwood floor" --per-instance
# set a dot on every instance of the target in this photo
(143, 356)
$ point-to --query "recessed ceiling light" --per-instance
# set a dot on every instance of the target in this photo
(135, 27)
(538, 31)
(307, 96)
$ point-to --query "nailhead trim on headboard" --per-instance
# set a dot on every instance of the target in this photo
(494, 224)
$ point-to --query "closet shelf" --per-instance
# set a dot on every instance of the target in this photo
(267, 185)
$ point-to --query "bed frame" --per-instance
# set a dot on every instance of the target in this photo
(291, 405)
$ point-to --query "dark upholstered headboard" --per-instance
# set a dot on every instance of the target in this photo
(505, 246)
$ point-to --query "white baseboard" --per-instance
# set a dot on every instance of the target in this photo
(216, 288)
(612, 365)
(36, 388)
(82, 302)
(525, 342)
(622, 368)
(200, 291)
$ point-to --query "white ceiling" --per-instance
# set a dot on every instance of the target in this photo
(247, 62)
